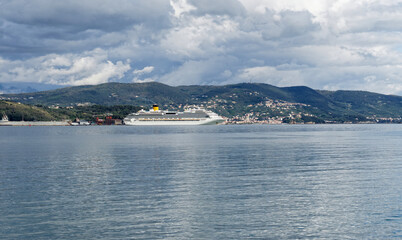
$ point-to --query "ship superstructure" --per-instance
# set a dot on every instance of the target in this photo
(163, 117)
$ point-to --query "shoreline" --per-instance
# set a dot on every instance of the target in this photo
(68, 123)
(34, 123)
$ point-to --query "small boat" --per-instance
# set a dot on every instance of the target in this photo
(4, 120)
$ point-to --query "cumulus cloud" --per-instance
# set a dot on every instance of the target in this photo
(139, 74)
(69, 69)
(180, 7)
(198, 37)
(145, 70)
(324, 44)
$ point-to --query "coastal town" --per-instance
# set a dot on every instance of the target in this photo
(268, 111)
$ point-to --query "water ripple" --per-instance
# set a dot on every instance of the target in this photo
(213, 182)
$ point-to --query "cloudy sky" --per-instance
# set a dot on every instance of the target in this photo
(323, 44)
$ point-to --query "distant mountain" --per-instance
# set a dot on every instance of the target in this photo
(28, 87)
(261, 101)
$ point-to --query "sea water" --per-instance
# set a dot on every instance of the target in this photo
(201, 182)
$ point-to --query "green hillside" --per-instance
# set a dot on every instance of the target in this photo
(18, 112)
(368, 103)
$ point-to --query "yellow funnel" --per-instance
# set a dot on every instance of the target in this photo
(155, 107)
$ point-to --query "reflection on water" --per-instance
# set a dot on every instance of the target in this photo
(209, 182)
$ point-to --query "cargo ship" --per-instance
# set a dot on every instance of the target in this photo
(163, 117)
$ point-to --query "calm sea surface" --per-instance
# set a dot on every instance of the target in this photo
(201, 182)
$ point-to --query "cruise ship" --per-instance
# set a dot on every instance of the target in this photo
(162, 117)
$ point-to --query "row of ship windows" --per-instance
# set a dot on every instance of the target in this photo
(169, 119)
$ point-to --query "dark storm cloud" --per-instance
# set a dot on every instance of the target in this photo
(106, 15)
(218, 7)
(33, 28)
